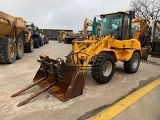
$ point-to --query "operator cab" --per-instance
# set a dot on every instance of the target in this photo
(118, 25)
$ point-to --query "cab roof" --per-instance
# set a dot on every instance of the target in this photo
(131, 13)
(115, 13)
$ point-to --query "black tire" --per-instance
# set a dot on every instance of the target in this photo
(132, 65)
(145, 53)
(69, 40)
(20, 48)
(29, 46)
(7, 50)
(98, 73)
(36, 42)
(40, 42)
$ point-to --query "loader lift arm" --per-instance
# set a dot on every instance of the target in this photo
(143, 35)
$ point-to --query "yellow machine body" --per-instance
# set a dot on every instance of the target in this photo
(121, 50)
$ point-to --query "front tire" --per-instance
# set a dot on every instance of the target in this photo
(36, 42)
(132, 65)
(104, 67)
(8, 51)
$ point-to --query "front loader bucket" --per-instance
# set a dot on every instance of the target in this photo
(64, 81)
(70, 80)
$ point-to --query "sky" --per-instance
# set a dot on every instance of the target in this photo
(61, 14)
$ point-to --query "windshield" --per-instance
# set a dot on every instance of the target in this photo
(111, 24)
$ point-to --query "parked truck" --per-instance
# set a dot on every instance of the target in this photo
(14, 37)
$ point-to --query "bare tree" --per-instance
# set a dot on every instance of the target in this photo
(146, 8)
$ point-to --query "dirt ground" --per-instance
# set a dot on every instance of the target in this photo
(15, 76)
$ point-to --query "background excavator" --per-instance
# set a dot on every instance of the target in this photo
(141, 30)
(95, 25)
(86, 24)
(148, 35)
(68, 37)
(155, 38)
(65, 78)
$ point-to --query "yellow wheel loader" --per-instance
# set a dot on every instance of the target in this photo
(65, 78)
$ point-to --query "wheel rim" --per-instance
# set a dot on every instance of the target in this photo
(107, 68)
(11, 50)
(135, 62)
(20, 48)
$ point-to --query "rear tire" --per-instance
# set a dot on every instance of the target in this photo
(29, 46)
(20, 48)
(145, 53)
(132, 65)
(7, 50)
(36, 42)
(69, 40)
(104, 67)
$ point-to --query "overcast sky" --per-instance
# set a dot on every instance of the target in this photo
(61, 14)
